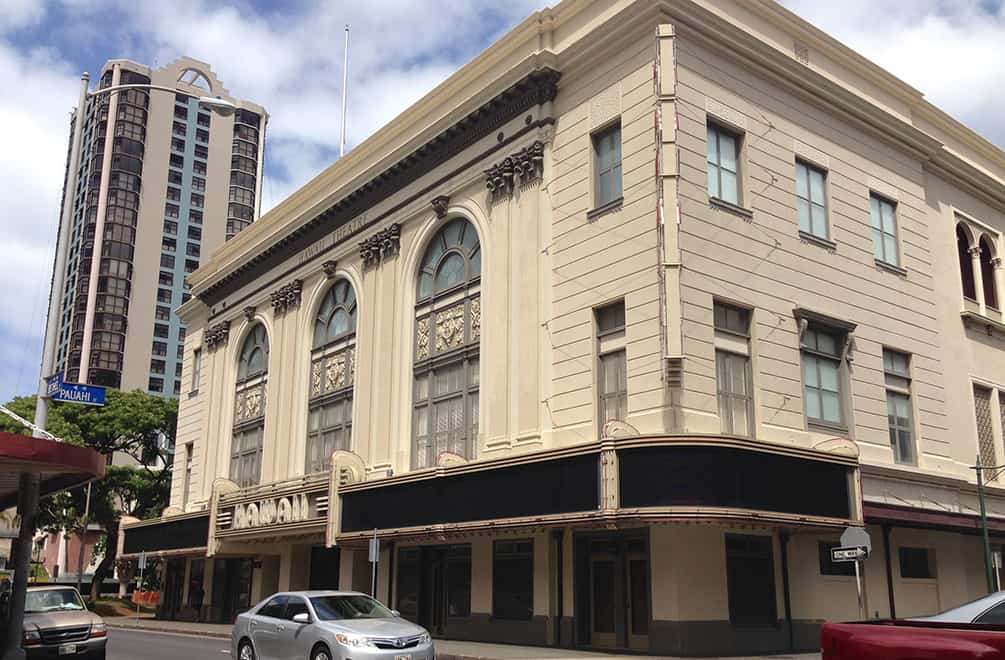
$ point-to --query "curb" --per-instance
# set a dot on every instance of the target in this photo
(151, 627)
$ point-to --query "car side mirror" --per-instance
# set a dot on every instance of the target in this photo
(395, 613)
(303, 617)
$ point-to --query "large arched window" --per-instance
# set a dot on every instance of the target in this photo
(249, 408)
(333, 366)
(988, 272)
(447, 332)
(966, 263)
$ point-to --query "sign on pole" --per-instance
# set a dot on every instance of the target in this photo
(374, 558)
(854, 537)
(856, 546)
(89, 395)
(143, 561)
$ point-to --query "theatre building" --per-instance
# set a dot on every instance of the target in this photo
(607, 339)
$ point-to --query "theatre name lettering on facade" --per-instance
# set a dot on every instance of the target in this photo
(607, 338)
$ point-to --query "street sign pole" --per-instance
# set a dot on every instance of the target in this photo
(374, 558)
(142, 564)
(862, 609)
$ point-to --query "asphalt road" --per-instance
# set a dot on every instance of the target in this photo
(145, 645)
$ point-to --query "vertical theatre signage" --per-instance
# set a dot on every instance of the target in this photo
(272, 511)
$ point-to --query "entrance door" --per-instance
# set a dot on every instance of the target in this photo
(324, 568)
(231, 588)
(612, 586)
(434, 585)
(750, 580)
(174, 584)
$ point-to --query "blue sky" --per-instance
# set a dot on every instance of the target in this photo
(288, 57)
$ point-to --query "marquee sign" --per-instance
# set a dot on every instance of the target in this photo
(272, 513)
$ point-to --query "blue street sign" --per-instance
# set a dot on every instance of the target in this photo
(90, 395)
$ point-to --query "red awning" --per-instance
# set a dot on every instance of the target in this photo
(904, 516)
(59, 464)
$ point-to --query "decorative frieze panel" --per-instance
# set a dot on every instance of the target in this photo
(450, 328)
(332, 372)
(422, 339)
(217, 335)
(287, 297)
(519, 169)
(476, 319)
(249, 403)
(382, 245)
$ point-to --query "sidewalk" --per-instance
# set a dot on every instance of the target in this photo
(445, 649)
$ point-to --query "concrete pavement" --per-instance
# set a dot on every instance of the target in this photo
(174, 638)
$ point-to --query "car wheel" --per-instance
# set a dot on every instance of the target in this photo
(245, 651)
(321, 652)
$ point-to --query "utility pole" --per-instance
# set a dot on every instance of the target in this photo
(28, 485)
(83, 537)
(345, 91)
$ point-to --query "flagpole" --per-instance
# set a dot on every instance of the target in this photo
(345, 95)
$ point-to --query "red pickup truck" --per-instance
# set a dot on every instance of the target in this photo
(974, 630)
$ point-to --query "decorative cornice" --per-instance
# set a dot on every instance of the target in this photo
(217, 335)
(519, 169)
(538, 87)
(286, 297)
(382, 245)
(440, 204)
(330, 267)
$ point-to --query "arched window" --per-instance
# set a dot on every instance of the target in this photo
(333, 367)
(988, 273)
(966, 263)
(195, 78)
(447, 333)
(249, 408)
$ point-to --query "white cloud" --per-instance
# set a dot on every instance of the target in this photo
(16, 14)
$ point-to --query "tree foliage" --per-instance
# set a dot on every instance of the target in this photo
(134, 424)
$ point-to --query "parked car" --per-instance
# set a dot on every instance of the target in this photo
(327, 625)
(973, 630)
(57, 625)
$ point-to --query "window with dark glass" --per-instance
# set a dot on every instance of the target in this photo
(966, 263)
(917, 563)
(196, 369)
(884, 230)
(177, 160)
(170, 227)
(162, 313)
(171, 210)
(202, 135)
(607, 165)
(191, 249)
(191, 265)
(897, 377)
(612, 363)
(830, 567)
(167, 261)
(194, 233)
(201, 151)
(173, 194)
(168, 244)
(986, 258)
(161, 330)
(458, 583)
(195, 217)
(155, 384)
(723, 164)
(199, 167)
(333, 368)
(166, 278)
(159, 348)
(198, 184)
(197, 200)
(157, 366)
(164, 295)
(732, 369)
(513, 579)
(202, 119)
(447, 338)
(179, 128)
(811, 199)
(750, 580)
(178, 146)
(249, 408)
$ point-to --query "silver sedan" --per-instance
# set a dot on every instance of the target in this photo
(988, 610)
(327, 625)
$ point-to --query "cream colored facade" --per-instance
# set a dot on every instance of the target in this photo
(692, 540)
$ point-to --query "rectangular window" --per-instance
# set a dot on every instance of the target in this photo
(191, 265)
(170, 227)
(198, 184)
(155, 384)
(178, 128)
(329, 427)
(174, 177)
(199, 167)
(167, 261)
(180, 112)
(164, 295)
(162, 313)
(177, 145)
(177, 370)
(917, 563)
(161, 330)
(168, 244)
(194, 233)
(723, 164)
(612, 367)
(884, 230)
(197, 200)
(829, 567)
(196, 369)
(607, 164)
(202, 119)
(897, 376)
(201, 151)
(191, 249)
(177, 160)
(201, 135)
(165, 278)
(159, 348)
(157, 366)
(173, 194)
(246, 456)
(732, 369)
(458, 567)
(177, 387)
(171, 210)
(822, 349)
(750, 580)
(811, 199)
(195, 217)
(513, 580)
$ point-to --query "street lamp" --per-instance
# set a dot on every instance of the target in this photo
(28, 487)
(997, 470)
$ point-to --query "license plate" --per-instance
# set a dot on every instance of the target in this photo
(67, 649)
(407, 656)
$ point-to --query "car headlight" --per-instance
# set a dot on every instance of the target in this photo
(98, 629)
(424, 639)
(32, 637)
(352, 641)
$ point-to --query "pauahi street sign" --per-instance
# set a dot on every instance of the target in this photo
(89, 395)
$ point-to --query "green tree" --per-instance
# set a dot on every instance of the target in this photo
(136, 424)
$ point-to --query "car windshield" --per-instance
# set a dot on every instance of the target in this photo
(52, 600)
(337, 608)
